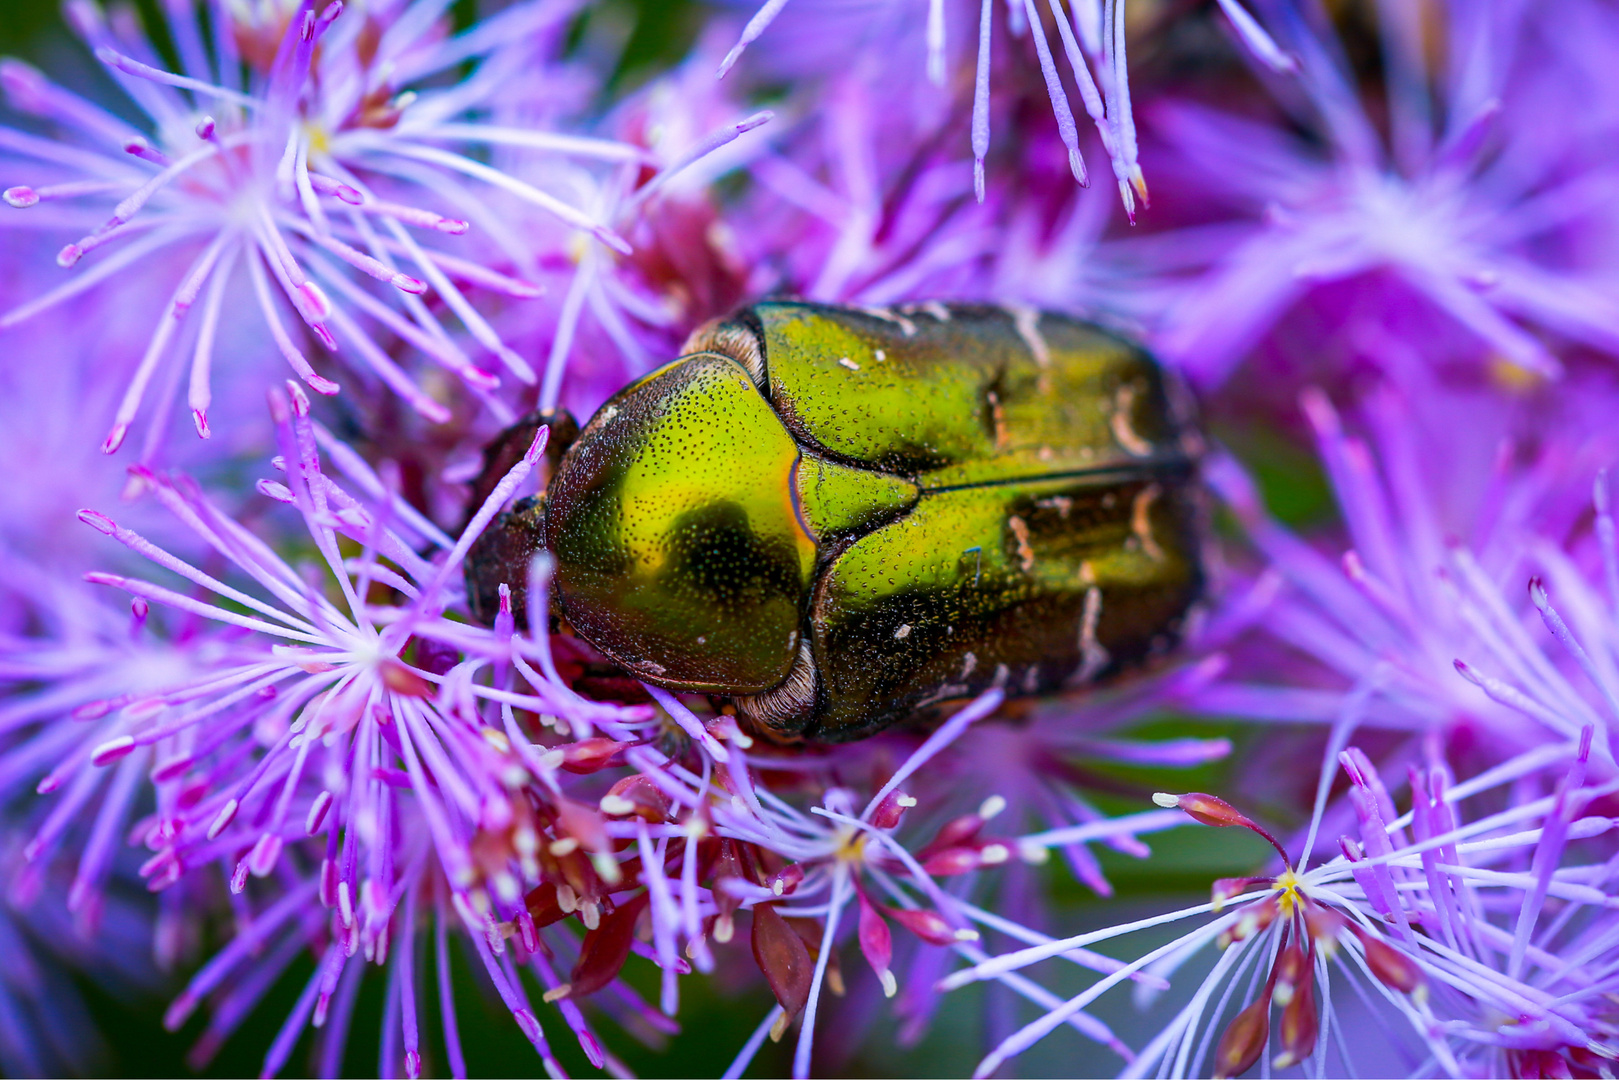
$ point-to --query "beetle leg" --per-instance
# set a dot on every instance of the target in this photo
(1093, 654)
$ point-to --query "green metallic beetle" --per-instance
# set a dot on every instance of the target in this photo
(836, 517)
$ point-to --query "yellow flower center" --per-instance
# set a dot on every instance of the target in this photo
(1291, 892)
(851, 846)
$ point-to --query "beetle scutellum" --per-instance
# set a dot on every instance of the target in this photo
(835, 517)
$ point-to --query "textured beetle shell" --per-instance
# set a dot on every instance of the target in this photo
(837, 517)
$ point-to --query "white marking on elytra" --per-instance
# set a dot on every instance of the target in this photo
(1002, 673)
(1060, 503)
(968, 663)
(1025, 550)
(1093, 656)
(1141, 521)
(1123, 433)
(879, 356)
(937, 310)
(903, 632)
(945, 693)
(850, 364)
(997, 416)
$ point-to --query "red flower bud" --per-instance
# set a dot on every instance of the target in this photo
(877, 944)
(1300, 1024)
(636, 796)
(950, 861)
(1225, 888)
(604, 949)
(929, 926)
(589, 755)
(403, 681)
(1292, 970)
(891, 809)
(1208, 809)
(1254, 918)
(954, 834)
(785, 880)
(1324, 926)
(1394, 968)
(1211, 810)
(1244, 1040)
(782, 956)
(583, 824)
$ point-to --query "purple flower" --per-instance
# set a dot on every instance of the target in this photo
(847, 869)
(45, 1028)
(1439, 549)
(316, 715)
(1485, 944)
(1465, 200)
(295, 733)
(320, 165)
(627, 311)
(1091, 36)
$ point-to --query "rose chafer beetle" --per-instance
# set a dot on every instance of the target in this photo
(836, 517)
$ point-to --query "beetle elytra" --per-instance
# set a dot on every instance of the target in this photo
(835, 517)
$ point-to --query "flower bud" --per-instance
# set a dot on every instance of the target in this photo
(891, 809)
(954, 834)
(929, 926)
(1393, 968)
(636, 796)
(877, 944)
(1244, 1040)
(1300, 1025)
(589, 755)
(1292, 969)
(1255, 917)
(1208, 809)
(784, 881)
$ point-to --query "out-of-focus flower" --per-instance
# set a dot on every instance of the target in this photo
(1092, 39)
(45, 1028)
(63, 676)
(855, 203)
(316, 167)
(1439, 549)
(1575, 680)
(1484, 944)
(1452, 184)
